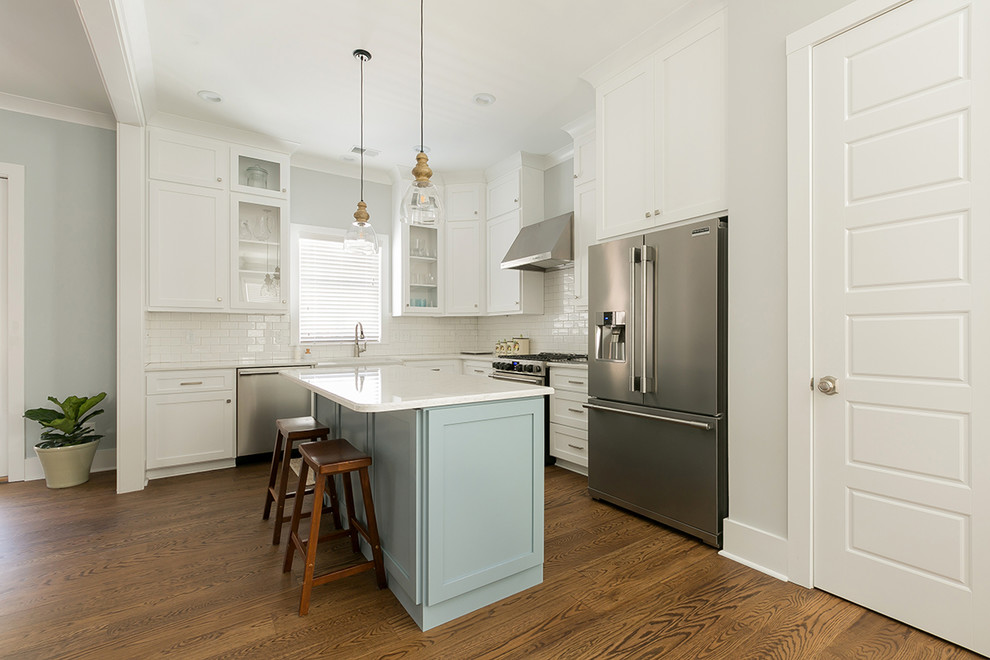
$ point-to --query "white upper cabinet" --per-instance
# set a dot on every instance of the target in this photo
(190, 159)
(464, 268)
(661, 135)
(211, 249)
(584, 158)
(503, 194)
(465, 201)
(259, 172)
(510, 291)
(189, 246)
(585, 214)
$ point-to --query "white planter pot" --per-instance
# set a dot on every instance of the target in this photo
(67, 466)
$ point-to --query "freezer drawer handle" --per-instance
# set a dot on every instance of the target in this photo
(698, 425)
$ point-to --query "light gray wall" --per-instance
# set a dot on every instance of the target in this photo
(757, 180)
(329, 200)
(70, 178)
(558, 189)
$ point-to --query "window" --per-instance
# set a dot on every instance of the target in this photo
(336, 289)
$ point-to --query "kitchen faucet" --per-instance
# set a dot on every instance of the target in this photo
(359, 334)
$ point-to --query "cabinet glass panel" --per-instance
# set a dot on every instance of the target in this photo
(259, 249)
(423, 275)
(259, 173)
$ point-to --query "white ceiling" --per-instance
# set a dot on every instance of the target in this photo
(285, 69)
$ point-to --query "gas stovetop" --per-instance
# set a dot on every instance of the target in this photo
(535, 363)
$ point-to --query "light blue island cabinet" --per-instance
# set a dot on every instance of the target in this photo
(457, 480)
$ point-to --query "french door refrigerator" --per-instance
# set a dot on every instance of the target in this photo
(657, 376)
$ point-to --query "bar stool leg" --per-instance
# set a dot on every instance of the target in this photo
(334, 503)
(273, 475)
(284, 484)
(351, 517)
(294, 543)
(311, 543)
(376, 546)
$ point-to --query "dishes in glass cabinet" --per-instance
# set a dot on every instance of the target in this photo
(257, 176)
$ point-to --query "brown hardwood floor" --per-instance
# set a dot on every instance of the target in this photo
(186, 568)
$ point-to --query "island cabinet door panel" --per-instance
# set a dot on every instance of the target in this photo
(357, 428)
(484, 494)
(396, 485)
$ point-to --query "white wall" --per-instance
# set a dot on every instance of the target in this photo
(757, 179)
(329, 200)
(70, 261)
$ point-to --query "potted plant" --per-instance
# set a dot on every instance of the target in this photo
(67, 447)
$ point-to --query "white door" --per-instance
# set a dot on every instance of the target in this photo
(901, 149)
(4, 413)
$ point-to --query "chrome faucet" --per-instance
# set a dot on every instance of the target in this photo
(359, 335)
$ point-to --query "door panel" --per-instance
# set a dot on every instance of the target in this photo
(611, 288)
(902, 315)
(670, 472)
(685, 318)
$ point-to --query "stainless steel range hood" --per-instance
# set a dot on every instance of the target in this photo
(546, 245)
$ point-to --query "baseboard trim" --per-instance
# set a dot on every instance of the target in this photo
(755, 548)
(105, 460)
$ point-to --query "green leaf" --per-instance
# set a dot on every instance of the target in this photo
(42, 415)
(90, 402)
(71, 407)
(91, 415)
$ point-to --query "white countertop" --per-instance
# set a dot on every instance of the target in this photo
(326, 362)
(380, 389)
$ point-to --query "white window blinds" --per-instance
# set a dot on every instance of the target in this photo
(336, 290)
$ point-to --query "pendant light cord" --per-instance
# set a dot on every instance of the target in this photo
(421, 73)
(362, 128)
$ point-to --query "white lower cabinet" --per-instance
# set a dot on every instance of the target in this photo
(441, 366)
(190, 421)
(477, 367)
(569, 418)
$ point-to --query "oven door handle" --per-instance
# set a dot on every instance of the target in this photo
(532, 380)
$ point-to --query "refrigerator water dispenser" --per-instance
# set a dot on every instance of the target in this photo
(610, 336)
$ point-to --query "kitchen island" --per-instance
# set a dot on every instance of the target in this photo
(457, 479)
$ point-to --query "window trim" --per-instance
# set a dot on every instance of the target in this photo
(298, 231)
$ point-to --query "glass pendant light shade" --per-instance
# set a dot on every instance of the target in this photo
(361, 237)
(422, 203)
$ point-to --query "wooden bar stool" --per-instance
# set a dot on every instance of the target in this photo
(290, 431)
(327, 459)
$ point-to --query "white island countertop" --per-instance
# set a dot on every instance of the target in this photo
(379, 389)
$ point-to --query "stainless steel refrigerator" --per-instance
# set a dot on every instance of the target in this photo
(657, 376)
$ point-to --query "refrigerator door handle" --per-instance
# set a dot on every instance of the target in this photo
(707, 426)
(648, 378)
(634, 256)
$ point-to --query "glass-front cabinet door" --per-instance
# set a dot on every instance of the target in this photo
(260, 236)
(259, 172)
(418, 266)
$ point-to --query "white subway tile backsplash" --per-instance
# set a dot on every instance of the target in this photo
(209, 337)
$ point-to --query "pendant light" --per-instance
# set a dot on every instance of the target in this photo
(361, 237)
(421, 205)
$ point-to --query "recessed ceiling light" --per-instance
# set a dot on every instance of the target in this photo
(484, 98)
(418, 148)
(208, 95)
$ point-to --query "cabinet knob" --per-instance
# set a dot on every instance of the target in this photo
(283, 302)
(228, 400)
(648, 214)
(476, 213)
(475, 304)
(656, 211)
(575, 176)
(283, 189)
(219, 179)
(515, 200)
(219, 299)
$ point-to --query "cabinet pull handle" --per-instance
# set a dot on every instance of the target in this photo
(579, 448)
(435, 369)
(193, 382)
(576, 382)
(576, 410)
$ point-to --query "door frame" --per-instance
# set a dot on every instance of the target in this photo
(800, 402)
(14, 276)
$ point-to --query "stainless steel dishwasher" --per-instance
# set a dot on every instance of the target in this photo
(262, 397)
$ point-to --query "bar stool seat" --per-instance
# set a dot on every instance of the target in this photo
(289, 431)
(326, 459)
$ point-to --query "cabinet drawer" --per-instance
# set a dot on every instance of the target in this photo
(573, 380)
(171, 382)
(569, 444)
(566, 408)
(477, 367)
(442, 366)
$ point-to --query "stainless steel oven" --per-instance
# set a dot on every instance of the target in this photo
(534, 369)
